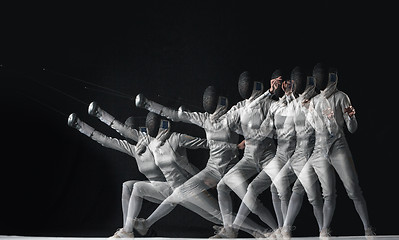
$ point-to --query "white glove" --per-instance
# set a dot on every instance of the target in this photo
(141, 101)
(94, 109)
(73, 121)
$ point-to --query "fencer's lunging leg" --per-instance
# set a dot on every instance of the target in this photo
(225, 203)
(251, 203)
(127, 188)
(309, 183)
(155, 192)
(202, 201)
(277, 206)
(135, 204)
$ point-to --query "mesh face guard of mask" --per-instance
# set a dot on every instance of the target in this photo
(152, 123)
(210, 99)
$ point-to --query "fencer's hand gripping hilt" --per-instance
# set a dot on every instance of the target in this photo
(73, 121)
(93, 109)
(154, 107)
(141, 101)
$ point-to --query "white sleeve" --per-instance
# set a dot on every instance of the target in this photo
(121, 128)
(351, 122)
(109, 142)
(196, 118)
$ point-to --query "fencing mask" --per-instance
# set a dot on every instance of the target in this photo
(279, 92)
(210, 99)
(245, 85)
(152, 122)
(320, 73)
(299, 79)
(130, 122)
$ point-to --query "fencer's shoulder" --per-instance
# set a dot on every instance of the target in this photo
(275, 103)
(236, 107)
(297, 100)
(267, 101)
(341, 94)
(274, 106)
(317, 97)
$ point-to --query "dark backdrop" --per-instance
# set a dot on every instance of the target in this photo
(57, 182)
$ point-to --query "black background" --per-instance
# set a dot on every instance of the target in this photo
(57, 182)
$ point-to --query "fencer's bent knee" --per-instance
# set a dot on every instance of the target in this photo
(273, 189)
(138, 190)
(285, 195)
(355, 193)
(221, 186)
(315, 200)
(127, 187)
(298, 189)
(252, 189)
(176, 197)
(329, 195)
(251, 198)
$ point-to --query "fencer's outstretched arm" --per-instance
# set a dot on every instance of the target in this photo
(142, 102)
(191, 142)
(233, 119)
(196, 118)
(127, 132)
(109, 142)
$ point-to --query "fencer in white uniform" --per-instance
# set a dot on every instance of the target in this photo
(335, 109)
(164, 147)
(307, 181)
(273, 125)
(222, 143)
(156, 189)
(257, 154)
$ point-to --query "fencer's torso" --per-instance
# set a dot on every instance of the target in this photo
(281, 117)
(338, 102)
(251, 118)
(331, 113)
(145, 161)
(146, 165)
(222, 142)
(305, 133)
(170, 157)
(248, 123)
